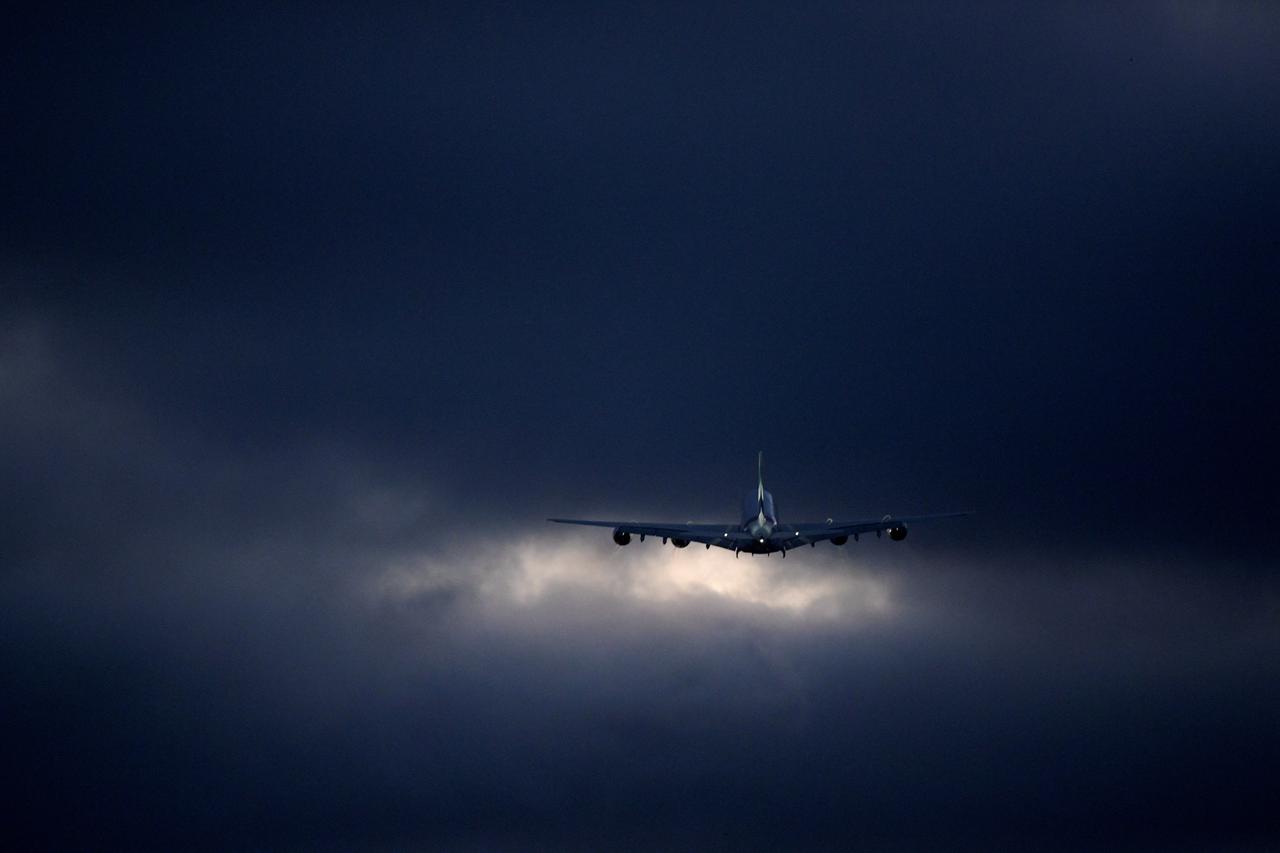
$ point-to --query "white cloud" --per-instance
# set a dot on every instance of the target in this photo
(524, 572)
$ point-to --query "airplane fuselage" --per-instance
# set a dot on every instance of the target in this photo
(760, 519)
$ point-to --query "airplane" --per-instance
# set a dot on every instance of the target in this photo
(760, 532)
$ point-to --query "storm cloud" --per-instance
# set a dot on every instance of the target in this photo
(309, 320)
(212, 647)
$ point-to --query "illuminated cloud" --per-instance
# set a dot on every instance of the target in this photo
(812, 585)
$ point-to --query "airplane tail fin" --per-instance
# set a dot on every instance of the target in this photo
(760, 479)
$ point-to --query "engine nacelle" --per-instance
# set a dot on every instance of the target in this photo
(839, 540)
(621, 537)
(898, 532)
(679, 543)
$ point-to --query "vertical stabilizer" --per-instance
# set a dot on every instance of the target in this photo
(760, 479)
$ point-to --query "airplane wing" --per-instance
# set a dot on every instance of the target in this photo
(789, 536)
(721, 535)
(784, 536)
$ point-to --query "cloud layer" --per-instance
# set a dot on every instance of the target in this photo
(192, 661)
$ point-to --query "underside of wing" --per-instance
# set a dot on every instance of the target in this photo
(840, 531)
(722, 535)
(784, 537)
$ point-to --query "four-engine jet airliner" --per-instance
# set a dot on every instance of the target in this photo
(760, 532)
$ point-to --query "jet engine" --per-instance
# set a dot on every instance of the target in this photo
(839, 540)
(679, 543)
(898, 532)
(621, 536)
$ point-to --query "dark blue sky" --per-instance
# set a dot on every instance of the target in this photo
(310, 316)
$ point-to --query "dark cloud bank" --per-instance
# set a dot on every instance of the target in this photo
(214, 647)
(309, 320)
